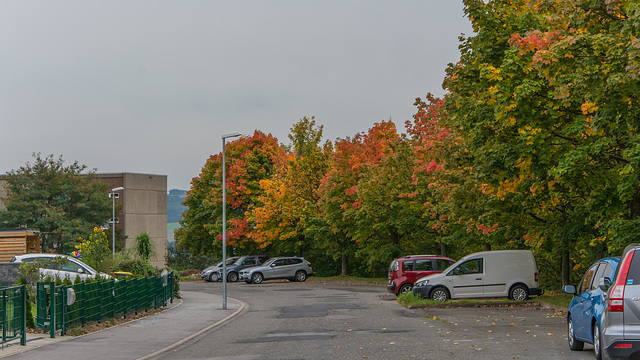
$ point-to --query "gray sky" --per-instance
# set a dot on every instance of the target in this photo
(150, 86)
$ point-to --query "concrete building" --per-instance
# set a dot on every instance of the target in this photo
(144, 208)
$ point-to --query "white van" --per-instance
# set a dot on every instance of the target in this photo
(501, 273)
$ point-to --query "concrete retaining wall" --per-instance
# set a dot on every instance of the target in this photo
(9, 273)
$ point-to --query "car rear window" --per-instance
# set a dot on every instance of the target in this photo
(633, 278)
(443, 264)
(407, 265)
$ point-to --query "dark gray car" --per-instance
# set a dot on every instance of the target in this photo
(619, 337)
(233, 270)
(291, 268)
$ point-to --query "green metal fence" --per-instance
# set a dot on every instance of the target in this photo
(81, 303)
(13, 314)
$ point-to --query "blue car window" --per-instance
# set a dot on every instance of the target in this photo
(585, 284)
(604, 270)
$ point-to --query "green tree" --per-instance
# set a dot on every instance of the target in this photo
(57, 200)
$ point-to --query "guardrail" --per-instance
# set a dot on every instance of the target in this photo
(86, 302)
(13, 314)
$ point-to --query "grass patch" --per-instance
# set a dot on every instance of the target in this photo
(410, 300)
(556, 298)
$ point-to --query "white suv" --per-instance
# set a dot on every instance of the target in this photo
(72, 268)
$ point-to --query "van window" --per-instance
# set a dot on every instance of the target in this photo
(424, 265)
(471, 267)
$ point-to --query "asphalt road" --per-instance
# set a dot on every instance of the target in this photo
(311, 320)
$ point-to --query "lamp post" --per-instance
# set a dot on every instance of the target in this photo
(224, 220)
(113, 194)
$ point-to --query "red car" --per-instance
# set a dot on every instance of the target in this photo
(404, 272)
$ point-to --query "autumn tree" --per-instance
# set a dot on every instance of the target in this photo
(250, 159)
(60, 201)
(339, 189)
(289, 207)
(544, 97)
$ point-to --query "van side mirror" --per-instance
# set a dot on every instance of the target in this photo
(457, 271)
(569, 289)
(604, 284)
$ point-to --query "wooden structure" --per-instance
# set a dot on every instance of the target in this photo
(18, 242)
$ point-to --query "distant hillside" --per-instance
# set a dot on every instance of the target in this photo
(174, 205)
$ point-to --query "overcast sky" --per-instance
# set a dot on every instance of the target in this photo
(150, 86)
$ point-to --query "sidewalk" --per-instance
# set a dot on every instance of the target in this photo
(139, 339)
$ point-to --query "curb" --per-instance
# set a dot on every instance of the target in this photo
(243, 308)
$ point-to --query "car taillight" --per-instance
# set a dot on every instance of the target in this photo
(309, 264)
(536, 276)
(616, 296)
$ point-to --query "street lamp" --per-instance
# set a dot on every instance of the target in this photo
(113, 195)
(224, 221)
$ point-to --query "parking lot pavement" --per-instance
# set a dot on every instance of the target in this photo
(502, 333)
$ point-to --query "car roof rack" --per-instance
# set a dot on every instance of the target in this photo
(412, 256)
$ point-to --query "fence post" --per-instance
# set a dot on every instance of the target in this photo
(63, 309)
(23, 330)
(52, 310)
(83, 314)
(4, 316)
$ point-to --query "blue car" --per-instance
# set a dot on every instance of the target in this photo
(587, 305)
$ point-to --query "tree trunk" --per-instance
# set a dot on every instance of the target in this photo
(487, 246)
(344, 265)
(565, 268)
(443, 249)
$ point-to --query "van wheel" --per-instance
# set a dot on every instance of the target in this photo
(406, 288)
(439, 294)
(574, 344)
(519, 293)
(597, 345)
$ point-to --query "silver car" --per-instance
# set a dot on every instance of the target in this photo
(71, 268)
(212, 273)
(619, 337)
(291, 268)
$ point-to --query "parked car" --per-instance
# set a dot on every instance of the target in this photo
(212, 273)
(71, 269)
(585, 310)
(291, 268)
(404, 272)
(501, 273)
(233, 270)
(619, 334)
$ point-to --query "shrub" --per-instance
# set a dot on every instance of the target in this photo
(137, 267)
